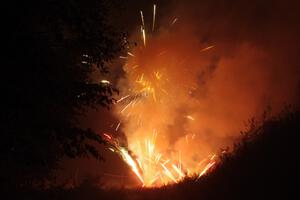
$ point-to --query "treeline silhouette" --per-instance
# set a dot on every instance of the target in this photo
(262, 165)
(50, 49)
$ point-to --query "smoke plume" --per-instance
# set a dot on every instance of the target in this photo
(205, 70)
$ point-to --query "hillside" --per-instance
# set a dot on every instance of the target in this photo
(262, 165)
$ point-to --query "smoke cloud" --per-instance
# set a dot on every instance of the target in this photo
(207, 72)
(217, 65)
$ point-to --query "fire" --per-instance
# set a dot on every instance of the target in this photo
(145, 109)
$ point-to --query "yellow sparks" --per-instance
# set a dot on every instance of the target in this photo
(154, 14)
(123, 57)
(149, 166)
(174, 21)
(206, 169)
(105, 81)
(168, 173)
(126, 107)
(140, 163)
(118, 126)
(129, 53)
(157, 158)
(123, 98)
(153, 180)
(142, 18)
(190, 117)
(144, 36)
(178, 170)
(207, 48)
(152, 164)
(213, 156)
(131, 163)
(166, 161)
(107, 136)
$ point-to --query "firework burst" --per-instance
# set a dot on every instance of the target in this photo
(149, 158)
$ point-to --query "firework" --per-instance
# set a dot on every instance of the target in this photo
(151, 164)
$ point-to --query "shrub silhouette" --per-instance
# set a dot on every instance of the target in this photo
(262, 165)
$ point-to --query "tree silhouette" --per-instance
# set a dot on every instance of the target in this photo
(50, 49)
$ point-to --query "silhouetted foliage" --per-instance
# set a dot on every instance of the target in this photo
(50, 49)
(262, 165)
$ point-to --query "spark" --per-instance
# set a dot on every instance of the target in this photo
(131, 163)
(153, 180)
(178, 170)
(207, 48)
(111, 149)
(105, 81)
(166, 161)
(150, 167)
(144, 35)
(118, 126)
(190, 117)
(142, 18)
(154, 14)
(129, 53)
(168, 173)
(123, 57)
(174, 21)
(157, 158)
(123, 98)
(126, 107)
(213, 156)
(107, 136)
(206, 169)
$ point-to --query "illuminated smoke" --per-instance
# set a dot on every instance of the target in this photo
(196, 83)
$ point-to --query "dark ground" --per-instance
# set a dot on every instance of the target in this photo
(262, 166)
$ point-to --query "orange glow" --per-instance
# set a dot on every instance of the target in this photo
(153, 93)
(183, 99)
